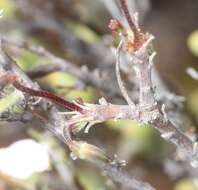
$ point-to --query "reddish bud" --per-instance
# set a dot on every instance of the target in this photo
(115, 26)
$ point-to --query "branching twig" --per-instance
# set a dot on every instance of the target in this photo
(58, 124)
(147, 111)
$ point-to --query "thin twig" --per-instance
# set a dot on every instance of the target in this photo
(119, 79)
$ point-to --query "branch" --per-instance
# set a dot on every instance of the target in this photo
(58, 125)
(148, 110)
(59, 64)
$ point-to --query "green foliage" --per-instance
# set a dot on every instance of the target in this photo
(29, 60)
(83, 32)
(10, 100)
(8, 7)
(90, 180)
(140, 138)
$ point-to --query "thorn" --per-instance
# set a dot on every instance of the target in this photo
(103, 101)
(164, 112)
(68, 113)
(87, 128)
(145, 45)
(36, 102)
(151, 57)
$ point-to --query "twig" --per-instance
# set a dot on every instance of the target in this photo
(119, 79)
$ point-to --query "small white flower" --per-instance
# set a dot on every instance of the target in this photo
(23, 158)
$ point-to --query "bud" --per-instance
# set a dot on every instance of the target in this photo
(115, 26)
(89, 152)
(129, 46)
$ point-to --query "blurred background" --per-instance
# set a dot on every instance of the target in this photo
(77, 30)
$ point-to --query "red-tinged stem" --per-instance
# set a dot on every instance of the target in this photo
(130, 21)
(41, 93)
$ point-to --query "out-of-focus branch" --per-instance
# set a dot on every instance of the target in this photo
(125, 180)
(81, 51)
(94, 78)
